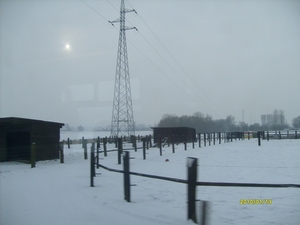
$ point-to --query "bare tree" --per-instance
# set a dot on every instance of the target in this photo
(296, 122)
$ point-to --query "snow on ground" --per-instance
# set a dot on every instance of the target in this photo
(54, 193)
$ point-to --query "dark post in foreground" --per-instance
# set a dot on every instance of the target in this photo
(126, 176)
(191, 188)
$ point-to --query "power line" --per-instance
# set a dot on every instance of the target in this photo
(94, 10)
(112, 5)
(176, 61)
(157, 67)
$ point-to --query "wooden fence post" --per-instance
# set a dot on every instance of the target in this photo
(126, 176)
(258, 137)
(144, 148)
(279, 135)
(98, 149)
(219, 134)
(104, 146)
(204, 139)
(134, 143)
(173, 147)
(160, 144)
(199, 138)
(85, 148)
(191, 188)
(61, 152)
(33, 155)
(150, 139)
(68, 142)
(116, 141)
(98, 142)
(147, 140)
(120, 149)
(92, 160)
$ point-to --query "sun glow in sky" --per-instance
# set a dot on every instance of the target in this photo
(67, 46)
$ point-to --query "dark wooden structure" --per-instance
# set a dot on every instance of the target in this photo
(17, 135)
(177, 134)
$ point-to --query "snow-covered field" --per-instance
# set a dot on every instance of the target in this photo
(54, 193)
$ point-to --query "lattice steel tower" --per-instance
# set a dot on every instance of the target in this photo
(122, 123)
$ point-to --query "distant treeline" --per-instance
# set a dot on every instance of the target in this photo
(205, 123)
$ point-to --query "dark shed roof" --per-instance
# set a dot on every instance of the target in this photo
(17, 120)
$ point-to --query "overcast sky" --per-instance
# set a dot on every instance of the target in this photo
(218, 57)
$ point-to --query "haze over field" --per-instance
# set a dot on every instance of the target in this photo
(58, 59)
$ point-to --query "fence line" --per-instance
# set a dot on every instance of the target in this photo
(191, 181)
(200, 137)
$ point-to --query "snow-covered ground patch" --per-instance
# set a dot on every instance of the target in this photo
(54, 193)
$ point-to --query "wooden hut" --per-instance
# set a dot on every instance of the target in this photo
(177, 134)
(17, 135)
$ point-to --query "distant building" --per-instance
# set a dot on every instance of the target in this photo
(17, 135)
(178, 134)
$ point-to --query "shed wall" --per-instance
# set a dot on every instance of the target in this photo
(17, 135)
(178, 134)
(46, 138)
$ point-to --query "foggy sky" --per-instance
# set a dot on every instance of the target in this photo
(216, 57)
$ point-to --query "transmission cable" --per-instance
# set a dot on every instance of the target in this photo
(94, 10)
(179, 65)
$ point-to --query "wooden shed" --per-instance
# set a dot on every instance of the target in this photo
(17, 135)
(179, 134)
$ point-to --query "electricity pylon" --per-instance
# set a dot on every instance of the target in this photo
(122, 122)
